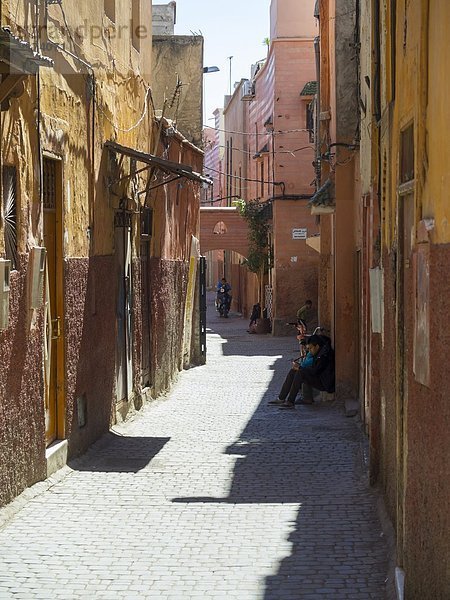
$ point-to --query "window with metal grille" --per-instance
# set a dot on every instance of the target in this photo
(146, 222)
(407, 154)
(49, 184)
(9, 208)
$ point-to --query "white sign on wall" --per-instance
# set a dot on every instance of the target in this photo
(300, 234)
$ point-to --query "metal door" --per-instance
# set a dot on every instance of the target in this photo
(145, 315)
(202, 295)
(124, 360)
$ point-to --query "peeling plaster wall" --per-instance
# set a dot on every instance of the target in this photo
(73, 127)
(182, 56)
(78, 113)
(169, 285)
(22, 438)
(421, 463)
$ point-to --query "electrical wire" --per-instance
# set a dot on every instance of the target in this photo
(243, 178)
(272, 152)
(276, 132)
(138, 122)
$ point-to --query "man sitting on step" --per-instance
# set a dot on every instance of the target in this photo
(319, 375)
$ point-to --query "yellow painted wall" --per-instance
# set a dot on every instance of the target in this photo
(181, 57)
(79, 113)
(436, 193)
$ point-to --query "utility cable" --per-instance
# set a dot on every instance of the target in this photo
(271, 152)
(244, 178)
(275, 132)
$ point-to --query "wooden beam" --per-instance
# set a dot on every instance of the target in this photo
(8, 85)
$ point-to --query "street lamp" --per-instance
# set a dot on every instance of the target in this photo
(230, 58)
(213, 69)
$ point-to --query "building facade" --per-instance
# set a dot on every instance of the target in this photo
(99, 226)
(407, 247)
(384, 241)
(281, 154)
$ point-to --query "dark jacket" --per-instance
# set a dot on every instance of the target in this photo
(323, 368)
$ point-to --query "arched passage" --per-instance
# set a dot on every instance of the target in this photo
(224, 231)
(223, 228)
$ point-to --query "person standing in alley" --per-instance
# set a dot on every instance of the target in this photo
(304, 313)
(256, 314)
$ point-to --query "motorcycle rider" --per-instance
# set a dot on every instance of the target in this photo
(223, 297)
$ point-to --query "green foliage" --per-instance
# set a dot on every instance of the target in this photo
(257, 218)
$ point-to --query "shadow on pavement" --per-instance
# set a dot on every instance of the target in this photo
(311, 457)
(120, 454)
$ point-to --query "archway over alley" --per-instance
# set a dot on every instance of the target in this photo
(223, 228)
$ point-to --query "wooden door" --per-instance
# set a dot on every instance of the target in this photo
(54, 342)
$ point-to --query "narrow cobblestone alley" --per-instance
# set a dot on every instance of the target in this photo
(208, 493)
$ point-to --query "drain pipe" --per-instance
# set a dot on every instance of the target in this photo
(317, 166)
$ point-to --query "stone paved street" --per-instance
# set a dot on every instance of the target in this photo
(208, 493)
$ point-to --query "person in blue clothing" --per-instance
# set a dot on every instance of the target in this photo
(319, 375)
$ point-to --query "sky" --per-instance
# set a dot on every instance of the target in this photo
(234, 28)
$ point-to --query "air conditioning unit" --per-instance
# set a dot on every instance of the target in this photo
(248, 90)
(5, 271)
(37, 276)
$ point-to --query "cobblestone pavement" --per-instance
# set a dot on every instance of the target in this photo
(208, 493)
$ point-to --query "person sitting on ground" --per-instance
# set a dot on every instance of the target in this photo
(256, 314)
(304, 313)
(320, 375)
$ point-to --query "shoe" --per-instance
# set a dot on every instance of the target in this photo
(278, 402)
(287, 406)
(302, 401)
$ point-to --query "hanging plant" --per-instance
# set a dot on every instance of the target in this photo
(257, 216)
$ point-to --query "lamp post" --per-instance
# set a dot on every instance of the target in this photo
(212, 69)
(230, 58)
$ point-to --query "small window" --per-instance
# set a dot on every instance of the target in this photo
(220, 228)
(146, 222)
(407, 155)
(49, 184)
(110, 10)
(310, 120)
(9, 209)
(262, 178)
(136, 24)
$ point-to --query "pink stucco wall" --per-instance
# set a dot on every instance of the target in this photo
(291, 18)
(289, 154)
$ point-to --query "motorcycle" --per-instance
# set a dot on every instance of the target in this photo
(224, 303)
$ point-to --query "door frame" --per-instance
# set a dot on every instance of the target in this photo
(124, 255)
(59, 309)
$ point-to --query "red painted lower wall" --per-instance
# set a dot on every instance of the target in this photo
(427, 428)
(168, 293)
(22, 435)
(90, 323)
